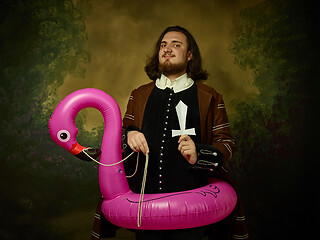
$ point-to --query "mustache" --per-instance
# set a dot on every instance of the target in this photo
(168, 54)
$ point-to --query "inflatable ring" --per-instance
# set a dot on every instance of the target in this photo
(178, 210)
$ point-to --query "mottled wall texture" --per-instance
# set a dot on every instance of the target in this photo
(261, 55)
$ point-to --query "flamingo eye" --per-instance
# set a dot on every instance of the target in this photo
(63, 135)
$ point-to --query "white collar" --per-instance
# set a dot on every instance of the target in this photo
(179, 84)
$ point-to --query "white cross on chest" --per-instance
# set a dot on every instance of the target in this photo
(182, 110)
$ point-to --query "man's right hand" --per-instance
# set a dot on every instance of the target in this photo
(137, 142)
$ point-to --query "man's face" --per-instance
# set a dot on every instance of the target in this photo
(174, 54)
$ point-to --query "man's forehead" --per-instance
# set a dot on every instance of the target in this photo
(174, 37)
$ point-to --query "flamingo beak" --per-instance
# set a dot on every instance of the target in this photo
(78, 151)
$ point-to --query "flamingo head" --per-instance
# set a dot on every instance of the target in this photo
(64, 133)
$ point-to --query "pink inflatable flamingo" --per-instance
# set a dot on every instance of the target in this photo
(194, 208)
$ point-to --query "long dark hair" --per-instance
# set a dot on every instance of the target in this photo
(194, 69)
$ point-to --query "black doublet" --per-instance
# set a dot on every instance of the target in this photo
(168, 170)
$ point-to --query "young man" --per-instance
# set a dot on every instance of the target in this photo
(178, 120)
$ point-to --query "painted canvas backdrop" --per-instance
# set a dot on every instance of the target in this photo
(261, 55)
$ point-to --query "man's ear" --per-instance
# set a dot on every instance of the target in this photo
(189, 54)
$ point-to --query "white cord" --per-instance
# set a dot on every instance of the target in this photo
(110, 165)
(135, 171)
(106, 165)
(143, 185)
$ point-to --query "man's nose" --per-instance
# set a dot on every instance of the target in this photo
(167, 49)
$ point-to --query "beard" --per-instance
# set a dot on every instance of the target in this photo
(167, 68)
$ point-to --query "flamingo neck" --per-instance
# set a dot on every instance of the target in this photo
(112, 180)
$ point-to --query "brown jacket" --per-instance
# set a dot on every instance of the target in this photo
(215, 128)
(215, 131)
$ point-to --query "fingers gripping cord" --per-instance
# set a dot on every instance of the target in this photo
(139, 215)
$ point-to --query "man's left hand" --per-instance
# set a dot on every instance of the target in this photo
(187, 149)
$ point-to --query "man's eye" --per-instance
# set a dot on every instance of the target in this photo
(176, 45)
(162, 45)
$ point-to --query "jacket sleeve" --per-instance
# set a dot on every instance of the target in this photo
(129, 124)
(222, 144)
(128, 118)
(221, 133)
